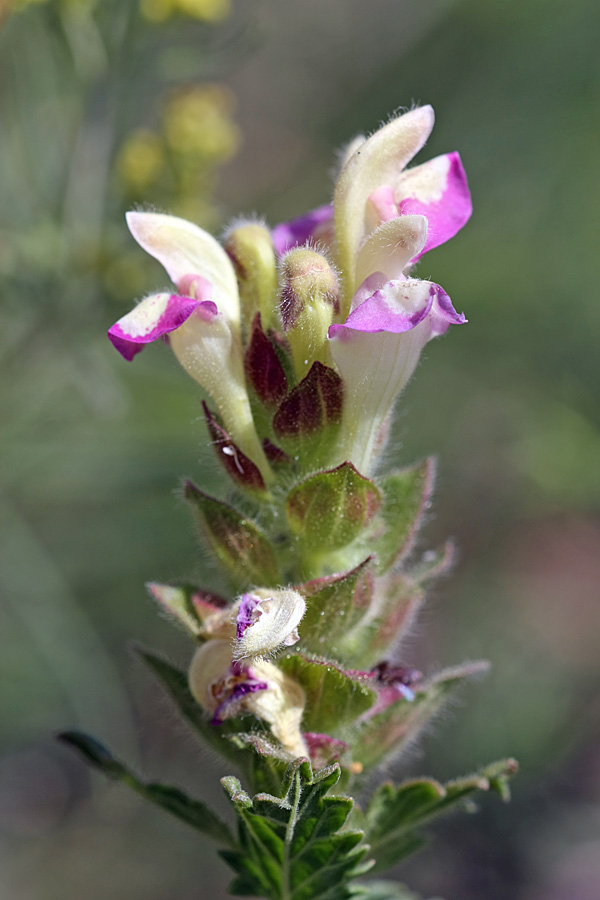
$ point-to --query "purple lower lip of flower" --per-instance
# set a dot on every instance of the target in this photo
(245, 617)
(240, 690)
(154, 318)
(314, 225)
(378, 314)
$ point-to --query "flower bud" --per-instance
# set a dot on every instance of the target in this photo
(267, 620)
(227, 689)
(250, 248)
(309, 298)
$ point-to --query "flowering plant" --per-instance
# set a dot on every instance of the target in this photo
(302, 338)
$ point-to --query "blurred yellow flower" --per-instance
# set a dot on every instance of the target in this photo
(197, 121)
(141, 159)
(16, 5)
(205, 10)
(67, 4)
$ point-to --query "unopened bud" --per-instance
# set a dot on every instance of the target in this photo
(250, 249)
(266, 621)
(309, 298)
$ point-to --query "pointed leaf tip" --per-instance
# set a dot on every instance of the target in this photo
(236, 540)
(264, 371)
(238, 466)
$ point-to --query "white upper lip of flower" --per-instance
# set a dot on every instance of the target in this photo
(266, 621)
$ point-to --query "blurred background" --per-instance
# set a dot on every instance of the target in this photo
(209, 108)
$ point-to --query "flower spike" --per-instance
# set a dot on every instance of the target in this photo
(303, 337)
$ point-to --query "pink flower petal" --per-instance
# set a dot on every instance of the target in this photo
(316, 225)
(438, 190)
(383, 204)
(400, 306)
(153, 318)
(184, 248)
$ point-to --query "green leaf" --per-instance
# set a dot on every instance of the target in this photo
(398, 601)
(292, 846)
(328, 511)
(175, 683)
(390, 731)
(187, 604)
(334, 699)
(192, 812)
(308, 419)
(395, 814)
(334, 604)
(266, 758)
(406, 496)
(238, 543)
(388, 890)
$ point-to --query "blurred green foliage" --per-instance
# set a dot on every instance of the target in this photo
(93, 448)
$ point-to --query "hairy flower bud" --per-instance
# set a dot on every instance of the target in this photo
(309, 298)
(267, 620)
(250, 249)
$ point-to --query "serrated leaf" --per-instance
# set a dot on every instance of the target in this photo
(172, 799)
(390, 731)
(329, 510)
(266, 759)
(291, 846)
(334, 604)
(334, 699)
(396, 814)
(236, 540)
(406, 495)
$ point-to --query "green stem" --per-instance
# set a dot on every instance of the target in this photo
(286, 892)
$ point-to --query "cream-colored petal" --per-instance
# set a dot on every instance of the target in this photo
(377, 162)
(275, 622)
(390, 247)
(185, 249)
